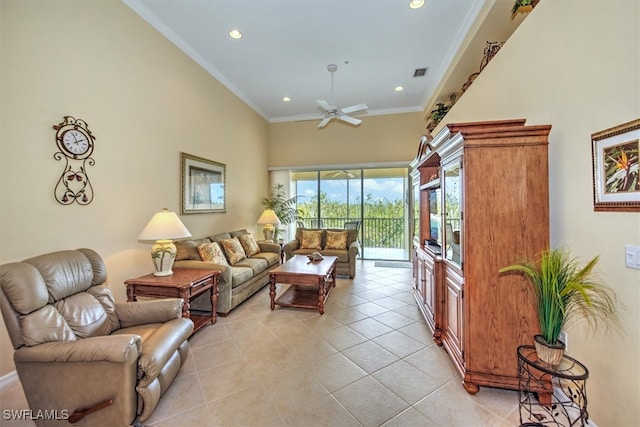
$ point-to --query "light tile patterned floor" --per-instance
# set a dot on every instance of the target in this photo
(368, 361)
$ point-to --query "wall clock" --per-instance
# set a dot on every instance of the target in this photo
(75, 142)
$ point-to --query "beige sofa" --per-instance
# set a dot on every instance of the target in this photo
(237, 281)
(95, 361)
(346, 265)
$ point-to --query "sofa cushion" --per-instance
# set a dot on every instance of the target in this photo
(311, 239)
(342, 254)
(220, 237)
(270, 257)
(239, 275)
(336, 240)
(238, 233)
(211, 252)
(256, 265)
(188, 249)
(233, 250)
(249, 244)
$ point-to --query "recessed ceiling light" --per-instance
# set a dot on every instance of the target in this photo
(416, 4)
(398, 89)
(235, 34)
(286, 99)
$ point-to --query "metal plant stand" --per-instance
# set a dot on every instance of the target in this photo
(551, 395)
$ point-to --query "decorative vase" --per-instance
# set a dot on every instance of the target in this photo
(549, 353)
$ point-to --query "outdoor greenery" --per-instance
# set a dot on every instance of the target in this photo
(383, 219)
(373, 208)
(283, 206)
(565, 292)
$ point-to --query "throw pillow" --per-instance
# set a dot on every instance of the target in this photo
(211, 252)
(233, 249)
(336, 240)
(311, 239)
(249, 244)
(187, 249)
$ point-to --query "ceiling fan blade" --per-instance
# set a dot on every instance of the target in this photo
(324, 122)
(354, 108)
(348, 119)
(324, 105)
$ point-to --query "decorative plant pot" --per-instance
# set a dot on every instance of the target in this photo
(548, 353)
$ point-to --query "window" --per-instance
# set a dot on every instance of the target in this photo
(375, 197)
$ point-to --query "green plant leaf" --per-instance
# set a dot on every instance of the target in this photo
(566, 293)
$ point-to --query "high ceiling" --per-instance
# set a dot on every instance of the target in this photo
(288, 44)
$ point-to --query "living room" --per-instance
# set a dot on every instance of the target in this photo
(146, 101)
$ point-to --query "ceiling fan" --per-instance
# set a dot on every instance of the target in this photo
(331, 111)
(343, 174)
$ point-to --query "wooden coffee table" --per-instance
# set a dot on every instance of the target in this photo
(311, 282)
(185, 283)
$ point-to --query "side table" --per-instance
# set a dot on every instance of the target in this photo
(185, 283)
(551, 395)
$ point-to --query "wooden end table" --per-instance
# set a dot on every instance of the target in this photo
(185, 283)
(311, 282)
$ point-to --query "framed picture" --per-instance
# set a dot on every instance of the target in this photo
(616, 174)
(203, 185)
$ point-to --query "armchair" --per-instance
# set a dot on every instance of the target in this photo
(81, 354)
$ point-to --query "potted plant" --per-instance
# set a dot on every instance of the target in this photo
(441, 110)
(283, 206)
(565, 292)
(521, 6)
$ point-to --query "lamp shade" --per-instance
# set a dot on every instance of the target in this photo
(164, 225)
(268, 217)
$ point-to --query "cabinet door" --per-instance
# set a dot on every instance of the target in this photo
(429, 289)
(452, 187)
(453, 318)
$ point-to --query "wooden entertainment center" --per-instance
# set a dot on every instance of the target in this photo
(481, 202)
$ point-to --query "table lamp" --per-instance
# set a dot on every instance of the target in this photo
(268, 218)
(163, 227)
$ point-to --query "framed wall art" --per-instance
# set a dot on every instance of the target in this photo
(203, 185)
(616, 174)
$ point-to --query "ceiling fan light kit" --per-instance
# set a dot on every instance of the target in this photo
(331, 111)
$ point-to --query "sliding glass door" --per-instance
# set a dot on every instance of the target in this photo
(373, 200)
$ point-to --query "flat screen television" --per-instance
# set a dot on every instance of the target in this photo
(435, 217)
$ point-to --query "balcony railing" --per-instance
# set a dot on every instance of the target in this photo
(374, 232)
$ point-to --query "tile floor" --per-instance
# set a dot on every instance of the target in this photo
(368, 361)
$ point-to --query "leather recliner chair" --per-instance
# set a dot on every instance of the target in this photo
(78, 353)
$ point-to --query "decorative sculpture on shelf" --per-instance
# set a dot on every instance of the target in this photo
(441, 110)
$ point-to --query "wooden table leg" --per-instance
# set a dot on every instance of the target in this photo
(186, 314)
(321, 291)
(214, 301)
(131, 293)
(272, 290)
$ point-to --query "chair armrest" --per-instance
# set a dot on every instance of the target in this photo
(270, 247)
(354, 247)
(148, 311)
(112, 348)
(290, 247)
(161, 346)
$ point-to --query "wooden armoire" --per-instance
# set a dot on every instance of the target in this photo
(488, 185)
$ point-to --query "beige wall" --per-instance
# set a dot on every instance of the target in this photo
(576, 66)
(379, 139)
(145, 101)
